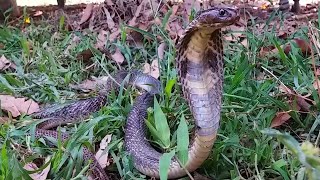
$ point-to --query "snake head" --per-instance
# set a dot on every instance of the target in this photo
(218, 17)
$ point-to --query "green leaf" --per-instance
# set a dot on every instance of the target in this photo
(25, 46)
(161, 124)
(182, 140)
(4, 160)
(278, 167)
(164, 164)
(153, 130)
(169, 86)
(61, 23)
(166, 18)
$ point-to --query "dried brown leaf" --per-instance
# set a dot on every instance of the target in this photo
(5, 63)
(302, 44)
(316, 84)
(91, 84)
(245, 42)
(282, 117)
(4, 120)
(86, 13)
(317, 72)
(101, 39)
(174, 12)
(146, 68)
(133, 22)
(16, 106)
(303, 103)
(117, 56)
(161, 48)
(114, 35)
(110, 21)
(42, 175)
(285, 89)
(102, 154)
(153, 69)
(85, 55)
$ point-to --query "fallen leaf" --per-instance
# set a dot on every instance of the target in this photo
(109, 2)
(5, 63)
(133, 22)
(318, 72)
(282, 117)
(86, 13)
(16, 106)
(161, 48)
(303, 103)
(146, 68)
(101, 39)
(152, 70)
(37, 13)
(91, 84)
(85, 55)
(114, 35)
(285, 89)
(316, 84)
(102, 155)
(110, 21)
(303, 45)
(4, 120)
(42, 175)
(117, 56)
(245, 43)
(136, 39)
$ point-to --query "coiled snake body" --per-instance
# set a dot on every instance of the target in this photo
(200, 69)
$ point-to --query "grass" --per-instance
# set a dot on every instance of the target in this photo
(242, 150)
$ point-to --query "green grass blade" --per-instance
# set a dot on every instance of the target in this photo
(161, 124)
(182, 140)
(164, 164)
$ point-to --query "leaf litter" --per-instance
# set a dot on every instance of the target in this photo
(5, 64)
(18, 106)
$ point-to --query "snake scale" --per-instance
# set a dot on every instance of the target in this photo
(199, 62)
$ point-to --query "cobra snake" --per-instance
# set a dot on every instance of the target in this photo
(199, 62)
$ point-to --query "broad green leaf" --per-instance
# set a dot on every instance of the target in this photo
(183, 140)
(161, 124)
(153, 130)
(169, 86)
(164, 164)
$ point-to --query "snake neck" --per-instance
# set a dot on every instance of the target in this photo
(200, 66)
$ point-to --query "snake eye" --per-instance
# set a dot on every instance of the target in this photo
(222, 12)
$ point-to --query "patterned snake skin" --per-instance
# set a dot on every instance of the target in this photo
(200, 65)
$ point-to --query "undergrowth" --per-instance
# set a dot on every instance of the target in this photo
(244, 149)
